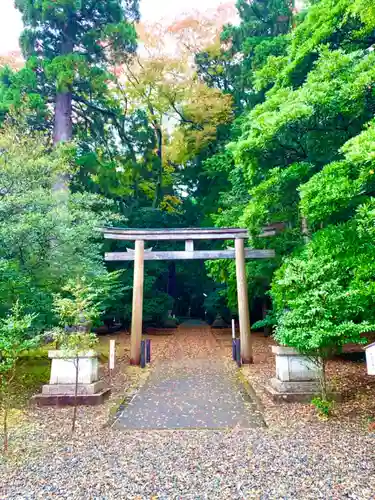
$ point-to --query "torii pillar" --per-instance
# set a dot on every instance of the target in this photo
(137, 311)
(243, 302)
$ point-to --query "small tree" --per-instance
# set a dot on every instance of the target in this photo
(77, 311)
(74, 344)
(78, 308)
(14, 340)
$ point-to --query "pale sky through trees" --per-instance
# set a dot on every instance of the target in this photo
(152, 10)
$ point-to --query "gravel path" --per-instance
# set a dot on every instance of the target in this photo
(202, 465)
(190, 394)
(315, 460)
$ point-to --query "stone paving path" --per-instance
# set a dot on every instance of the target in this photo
(198, 392)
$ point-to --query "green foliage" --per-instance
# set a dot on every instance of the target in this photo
(275, 198)
(304, 157)
(299, 152)
(331, 23)
(270, 321)
(82, 301)
(312, 122)
(79, 306)
(74, 343)
(157, 305)
(70, 48)
(323, 406)
(19, 96)
(245, 49)
(324, 294)
(14, 339)
(340, 187)
(46, 240)
(100, 30)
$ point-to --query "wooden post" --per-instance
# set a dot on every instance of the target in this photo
(243, 302)
(148, 350)
(143, 354)
(234, 355)
(238, 353)
(112, 354)
(137, 312)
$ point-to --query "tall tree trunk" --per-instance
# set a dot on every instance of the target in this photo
(63, 132)
(305, 229)
(159, 181)
(63, 126)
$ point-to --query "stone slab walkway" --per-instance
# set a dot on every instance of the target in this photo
(191, 393)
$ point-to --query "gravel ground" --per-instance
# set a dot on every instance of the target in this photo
(256, 463)
(307, 460)
(345, 377)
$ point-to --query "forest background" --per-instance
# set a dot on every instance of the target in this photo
(204, 121)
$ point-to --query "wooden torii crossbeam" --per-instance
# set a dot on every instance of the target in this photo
(239, 253)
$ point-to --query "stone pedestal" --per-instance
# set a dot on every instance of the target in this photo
(62, 385)
(63, 368)
(297, 377)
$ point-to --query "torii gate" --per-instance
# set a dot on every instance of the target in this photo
(240, 253)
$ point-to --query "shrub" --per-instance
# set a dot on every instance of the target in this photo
(324, 294)
(14, 340)
(323, 406)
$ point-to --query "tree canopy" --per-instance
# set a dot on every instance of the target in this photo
(303, 157)
(267, 120)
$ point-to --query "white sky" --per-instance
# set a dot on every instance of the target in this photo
(152, 10)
